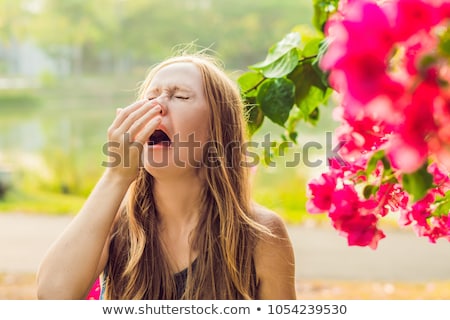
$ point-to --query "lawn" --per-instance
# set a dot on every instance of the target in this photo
(41, 202)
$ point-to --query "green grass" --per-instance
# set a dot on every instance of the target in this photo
(40, 202)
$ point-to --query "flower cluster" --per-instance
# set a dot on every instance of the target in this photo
(389, 63)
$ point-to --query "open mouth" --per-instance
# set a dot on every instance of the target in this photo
(159, 137)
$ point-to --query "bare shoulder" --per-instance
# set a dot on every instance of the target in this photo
(274, 257)
(271, 220)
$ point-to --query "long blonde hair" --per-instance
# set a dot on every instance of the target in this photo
(227, 231)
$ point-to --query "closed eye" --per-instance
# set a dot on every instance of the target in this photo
(182, 97)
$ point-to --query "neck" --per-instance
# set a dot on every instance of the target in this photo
(178, 202)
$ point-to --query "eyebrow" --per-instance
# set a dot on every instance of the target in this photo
(172, 88)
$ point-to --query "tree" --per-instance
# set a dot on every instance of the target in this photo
(122, 34)
(388, 62)
(15, 20)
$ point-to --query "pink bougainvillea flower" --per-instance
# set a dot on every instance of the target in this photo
(337, 38)
(409, 149)
(440, 143)
(365, 75)
(444, 10)
(357, 138)
(362, 231)
(416, 48)
(345, 205)
(391, 198)
(438, 229)
(443, 156)
(419, 213)
(369, 29)
(321, 193)
(414, 15)
(360, 59)
(394, 95)
(440, 176)
(386, 110)
(405, 156)
(353, 218)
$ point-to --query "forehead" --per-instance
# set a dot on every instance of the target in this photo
(178, 74)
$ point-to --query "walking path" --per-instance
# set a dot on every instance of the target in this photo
(320, 252)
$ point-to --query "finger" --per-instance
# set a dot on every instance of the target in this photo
(122, 114)
(136, 115)
(149, 128)
(143, 120)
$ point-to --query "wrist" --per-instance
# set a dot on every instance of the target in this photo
(118, 179)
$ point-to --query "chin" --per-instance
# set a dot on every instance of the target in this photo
(169, 166)
(171, 172)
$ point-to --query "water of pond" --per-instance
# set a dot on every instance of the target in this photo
(62, 134)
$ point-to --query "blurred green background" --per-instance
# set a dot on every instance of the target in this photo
(66, 65)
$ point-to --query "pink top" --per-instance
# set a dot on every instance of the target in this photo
(94, 294)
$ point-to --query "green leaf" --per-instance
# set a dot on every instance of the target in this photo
(312, 47)
(290, 41)
(281, 58)
(310, 92)
(369, 190)
(248, 83)
(322, 10)
(418, 183)
(254, 116)
(373, 161)
(295, 116)
(442, 209)
(443, 205)
(309, 103)
(323, 75)
(281, 67)
(444, 43)
(293, 136)
(307, 34)
(276, 98)
(313, 117)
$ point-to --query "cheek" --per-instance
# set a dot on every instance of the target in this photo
(193, 126)
(191, 133)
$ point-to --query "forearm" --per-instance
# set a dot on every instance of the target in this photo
(71, 263)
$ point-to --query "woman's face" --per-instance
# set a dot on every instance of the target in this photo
(178, 89)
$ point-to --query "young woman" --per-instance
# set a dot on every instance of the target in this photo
(171, 217)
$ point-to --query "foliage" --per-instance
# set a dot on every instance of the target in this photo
(286, 87)
(118, 36)
(388, 65)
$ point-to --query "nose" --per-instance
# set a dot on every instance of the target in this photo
(162, 102)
